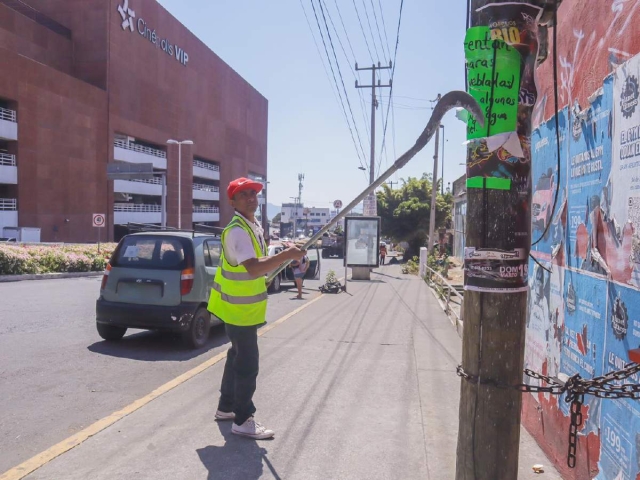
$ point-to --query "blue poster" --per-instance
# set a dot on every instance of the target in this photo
(588, 173)
(546, 180)
(583, 335)
(620, 426)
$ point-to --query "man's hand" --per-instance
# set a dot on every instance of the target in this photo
(294, 253)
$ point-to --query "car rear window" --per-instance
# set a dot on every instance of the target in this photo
(153, 252)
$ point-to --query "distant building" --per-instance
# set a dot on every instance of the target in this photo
(459, 193)
(307, 219)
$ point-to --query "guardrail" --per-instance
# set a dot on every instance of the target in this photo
(205, 188)
(207, 165)
(7, 159)
(9, 115)
(206, 210)
(140, 148)
(136, 207)
(452, 299)
(8, 204)
(154, 181)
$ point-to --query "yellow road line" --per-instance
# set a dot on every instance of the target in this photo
(37, 461)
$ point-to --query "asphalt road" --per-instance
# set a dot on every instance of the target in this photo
(57, 376)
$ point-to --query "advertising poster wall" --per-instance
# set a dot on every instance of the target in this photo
(620, 425)
(589, 189)
(545, 178)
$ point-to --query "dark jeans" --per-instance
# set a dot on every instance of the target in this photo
(240, 372)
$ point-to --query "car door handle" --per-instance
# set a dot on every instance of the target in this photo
(142, 281)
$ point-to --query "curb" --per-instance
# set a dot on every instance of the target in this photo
(48, 276)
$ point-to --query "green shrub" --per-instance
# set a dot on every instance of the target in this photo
(28, 259)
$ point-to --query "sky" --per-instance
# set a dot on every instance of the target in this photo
(276, 46)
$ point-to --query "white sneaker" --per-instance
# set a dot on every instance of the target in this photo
(220, 415)
(252, 429)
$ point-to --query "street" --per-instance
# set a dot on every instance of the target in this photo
(57, 376)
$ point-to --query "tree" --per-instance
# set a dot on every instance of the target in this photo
(405, 212)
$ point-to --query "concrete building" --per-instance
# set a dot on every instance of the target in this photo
(89, 82)
(459, 193)
(306, 218)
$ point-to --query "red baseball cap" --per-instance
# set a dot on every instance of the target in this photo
(240, 184)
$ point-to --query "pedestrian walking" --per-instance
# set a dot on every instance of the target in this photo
(299, 271)
(383, 252)
(239, 299)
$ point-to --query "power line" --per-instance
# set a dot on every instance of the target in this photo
(384, 27)
(375, 16)
(373, 39)
(362, 103)
(362, 29)
(393, 71)
(320, 2)
(337, 87)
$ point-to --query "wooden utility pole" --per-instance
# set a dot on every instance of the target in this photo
(498, 239)
(374, 105)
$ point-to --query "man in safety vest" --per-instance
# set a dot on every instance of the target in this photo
(239, 299)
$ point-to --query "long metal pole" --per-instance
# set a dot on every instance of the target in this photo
(442, 170)
(434, 192)
(451, 100)
(163, 207)
(372, 162)
(179, 185)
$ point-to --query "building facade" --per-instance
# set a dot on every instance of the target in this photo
(307, 219)
(459, 193)
(85, 83)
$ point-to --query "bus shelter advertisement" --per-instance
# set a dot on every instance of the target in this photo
(584, 315)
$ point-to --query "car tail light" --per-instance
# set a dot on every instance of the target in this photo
(105, 277)
(186, 281)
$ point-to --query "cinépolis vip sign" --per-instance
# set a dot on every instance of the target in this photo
(129, 21)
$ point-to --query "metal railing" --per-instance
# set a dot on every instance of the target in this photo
(8, 204)
(139, 148)
(154, 181)
(9, 115)
(452, 299)
(205, 188)
(7, 159)
(207, 165)
(206, 210)
(136, 207)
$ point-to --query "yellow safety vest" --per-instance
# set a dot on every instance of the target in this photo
(236, 297)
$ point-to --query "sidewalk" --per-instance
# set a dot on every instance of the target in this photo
(357, 386)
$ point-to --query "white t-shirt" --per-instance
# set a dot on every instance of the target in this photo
(238, 246)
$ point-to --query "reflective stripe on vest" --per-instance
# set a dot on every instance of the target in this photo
(236, 297)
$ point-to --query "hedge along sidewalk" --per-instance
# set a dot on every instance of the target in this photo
(48, 276)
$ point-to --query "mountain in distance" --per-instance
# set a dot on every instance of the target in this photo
(272, 210)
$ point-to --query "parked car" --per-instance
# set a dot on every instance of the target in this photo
(159, 280)
(7, 239)
(286, 276)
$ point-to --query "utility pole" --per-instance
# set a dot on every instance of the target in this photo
(498, 222)
(434, 191)
(374, 105)
(442, 172)
(392, 184)
(298, 202)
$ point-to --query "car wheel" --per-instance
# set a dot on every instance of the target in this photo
(110, 332)
(198, 333)
(275, 285)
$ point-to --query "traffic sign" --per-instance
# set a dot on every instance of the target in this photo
(337, 204)
(99, 219)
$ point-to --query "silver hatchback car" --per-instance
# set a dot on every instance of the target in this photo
(159, 280)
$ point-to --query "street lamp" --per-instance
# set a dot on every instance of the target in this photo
(183, 142)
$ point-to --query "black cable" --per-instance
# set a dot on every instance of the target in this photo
(393, 71)
(335, 81)
(362, 103)
(373, 39)
(555, 99)
(362, 29)
(539, 264)
(384, 28)
(326, 25)
(375, 16)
